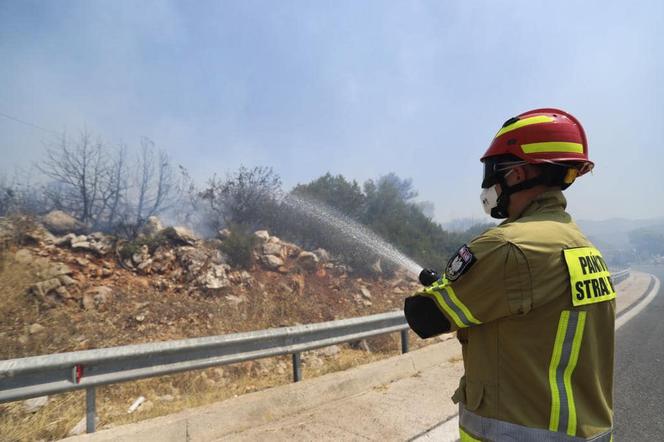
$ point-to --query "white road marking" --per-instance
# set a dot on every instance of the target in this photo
(640, 306)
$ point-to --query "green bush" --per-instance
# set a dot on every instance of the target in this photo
(239, 246)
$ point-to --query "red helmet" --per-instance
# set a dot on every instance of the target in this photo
(543, 136)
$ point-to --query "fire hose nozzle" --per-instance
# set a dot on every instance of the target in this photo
(428, 277)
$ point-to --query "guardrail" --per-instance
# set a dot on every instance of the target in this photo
(62, 372)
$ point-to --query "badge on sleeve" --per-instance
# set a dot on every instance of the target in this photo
(459, 263)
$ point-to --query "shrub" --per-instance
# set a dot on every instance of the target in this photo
(239, 246)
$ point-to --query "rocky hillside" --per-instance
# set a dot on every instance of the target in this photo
(68, 290)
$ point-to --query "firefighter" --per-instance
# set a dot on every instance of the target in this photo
(531, 300)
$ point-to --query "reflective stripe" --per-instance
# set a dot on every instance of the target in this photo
(552, 146)
(495, 430)
(465, 437)
(444, 296)
(524, 122)
(563, 362)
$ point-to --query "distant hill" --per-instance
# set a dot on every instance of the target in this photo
(613, 233)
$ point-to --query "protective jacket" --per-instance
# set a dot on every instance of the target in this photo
(534, 308)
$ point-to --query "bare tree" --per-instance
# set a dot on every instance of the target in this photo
(98, 187)
(245, 197)
(156, 181)
(80, 168)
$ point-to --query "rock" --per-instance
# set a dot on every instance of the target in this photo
(271, 248)
(60, 223)
(142, 255)
(65, 241)
(166, 398)
(272, 262)
(55, 270)
(41, 289)
(34, 404)
(263, 235)
(96, 297)
(246, 278)
(322, 254)
(329, 351)
(308, 261)
(67, 280)
(79, 428)
(366, 294)
(214, 278)
(36, 328)
(179, 235)
(23, 339)
(81, 245)
(152, 227)
(224, 234)
(23, 256)
(63, 292)
(88, 301)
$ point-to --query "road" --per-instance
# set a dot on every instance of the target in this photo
(639, 375)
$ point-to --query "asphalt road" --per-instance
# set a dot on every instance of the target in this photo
(639, 375)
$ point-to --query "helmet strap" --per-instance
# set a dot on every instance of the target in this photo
(500, 211)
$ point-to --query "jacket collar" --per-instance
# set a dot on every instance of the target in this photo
(551, 201)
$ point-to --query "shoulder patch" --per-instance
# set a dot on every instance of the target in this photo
(462, 260)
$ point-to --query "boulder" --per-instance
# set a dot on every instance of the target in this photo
(79, 428)
(271, 248)
(179, 235)
(322, 254)
(308, 261)
(214, 278)
(263, 235)
(224, 234)
(23, 256)
(272, 262)
(96, 297)
(60, 223)
(152, 227)
(142, 255)
(41, 289)
(33, 405)
(36, 328)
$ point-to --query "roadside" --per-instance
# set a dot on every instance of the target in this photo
(399, 398)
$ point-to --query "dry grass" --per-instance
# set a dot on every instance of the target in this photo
(169, 315)
(167, 394)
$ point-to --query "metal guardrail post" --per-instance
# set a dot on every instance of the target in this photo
(90, 409)
(297, 367)
(404, 341)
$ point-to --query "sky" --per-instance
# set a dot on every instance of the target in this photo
(359, 88)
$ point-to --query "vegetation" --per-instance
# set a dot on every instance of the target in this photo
(238, 246)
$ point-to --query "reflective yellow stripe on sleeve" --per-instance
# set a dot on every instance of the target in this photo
(563, 362)
(465, 437)
(446, 300)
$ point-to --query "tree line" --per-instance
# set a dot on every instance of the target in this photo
(116, 189)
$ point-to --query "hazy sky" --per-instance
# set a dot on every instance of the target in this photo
(361, 88)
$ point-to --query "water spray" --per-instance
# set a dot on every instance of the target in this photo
(361, 235)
